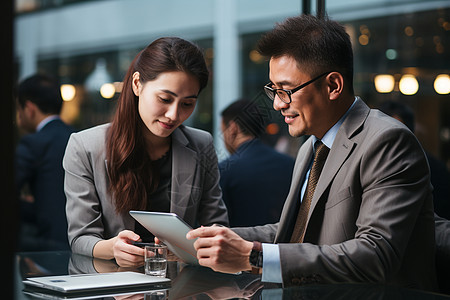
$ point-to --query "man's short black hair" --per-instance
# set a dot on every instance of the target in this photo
(318, 45)
(247, 116)
(43, 90)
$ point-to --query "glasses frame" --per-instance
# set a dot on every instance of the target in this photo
(270, 92)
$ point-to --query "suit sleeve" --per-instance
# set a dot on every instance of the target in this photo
(24, 163)
(24, 169)
(393, 177)
(224, 181)
(264, 234)
(212, 209)
(83, 209)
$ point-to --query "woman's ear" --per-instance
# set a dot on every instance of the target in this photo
(136, 83)
(335, 83)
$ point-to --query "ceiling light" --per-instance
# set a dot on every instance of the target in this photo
(408, 84)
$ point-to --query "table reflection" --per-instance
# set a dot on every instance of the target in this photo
(188, 282)
(195, 282)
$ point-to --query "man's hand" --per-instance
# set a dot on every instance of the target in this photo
(221, 249)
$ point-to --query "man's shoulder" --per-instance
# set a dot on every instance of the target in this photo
(382, 138)
(367, 124)
(258, 148)
(380, 124)
(58, 124)
(257, 156)
(56, 133)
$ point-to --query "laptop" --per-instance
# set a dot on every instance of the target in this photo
(171, 230)
(133, 294)
(99, 282)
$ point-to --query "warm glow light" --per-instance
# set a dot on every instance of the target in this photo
(67, 92)
(408, 84)
(256, 57)
(272, 128)
(384, 83)
(442, 84)
(107, 90)
(363, 39)
(409, 31)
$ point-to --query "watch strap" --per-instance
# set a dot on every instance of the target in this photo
(256, 255)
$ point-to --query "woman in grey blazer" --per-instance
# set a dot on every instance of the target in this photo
(145, 159)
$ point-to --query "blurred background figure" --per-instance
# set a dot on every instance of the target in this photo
(440, 176)
(38, 164)
(255, 179)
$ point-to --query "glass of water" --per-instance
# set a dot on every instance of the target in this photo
(156, 260)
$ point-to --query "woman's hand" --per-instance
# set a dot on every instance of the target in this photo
(122, 249)
(125, 253)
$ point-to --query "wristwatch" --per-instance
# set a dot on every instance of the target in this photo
(256, 256)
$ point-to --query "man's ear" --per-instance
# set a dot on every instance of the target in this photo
(335, 82)
(233, 127)
(30, 109)
(136, 83)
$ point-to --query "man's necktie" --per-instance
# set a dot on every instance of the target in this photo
(319, 161)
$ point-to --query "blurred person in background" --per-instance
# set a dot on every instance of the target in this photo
(440, 176)
(38, 165)
(145, 159)
(255, 179)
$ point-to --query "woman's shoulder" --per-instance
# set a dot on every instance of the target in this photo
(92, 132)
(194, 136)
(92, 137)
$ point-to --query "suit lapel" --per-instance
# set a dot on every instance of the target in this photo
(338, 155)
(184, 164)
(341, 149)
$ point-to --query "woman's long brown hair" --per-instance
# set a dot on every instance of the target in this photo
(129, 165)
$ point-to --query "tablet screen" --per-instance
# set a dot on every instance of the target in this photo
(171, 230)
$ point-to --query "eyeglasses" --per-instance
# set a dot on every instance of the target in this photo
(285, 95)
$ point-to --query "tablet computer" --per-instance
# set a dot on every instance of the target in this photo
(171, 230)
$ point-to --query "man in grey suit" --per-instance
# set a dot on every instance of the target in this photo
(369, 215)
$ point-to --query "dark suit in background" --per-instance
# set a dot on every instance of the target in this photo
(255, 178)
(440, 180)
(255, 182)
(39, 163)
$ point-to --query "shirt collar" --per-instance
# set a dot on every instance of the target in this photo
(45, 122)
(330, 135)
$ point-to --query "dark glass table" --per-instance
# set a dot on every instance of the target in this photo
(193, 282)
